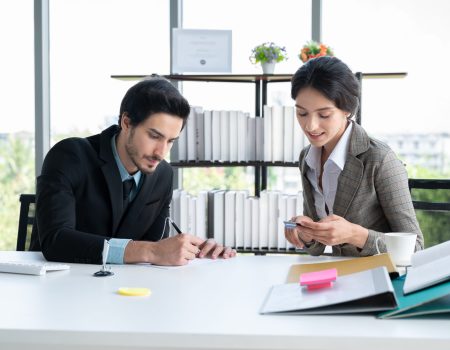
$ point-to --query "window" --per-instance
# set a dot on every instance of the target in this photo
(287, 23)
(90, 40)
(17, 105)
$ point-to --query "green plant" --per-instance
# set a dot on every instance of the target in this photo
(268, 52)
(314, 49)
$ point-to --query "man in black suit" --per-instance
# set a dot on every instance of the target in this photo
(117, 186)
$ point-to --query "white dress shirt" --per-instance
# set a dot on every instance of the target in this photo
(324, 198)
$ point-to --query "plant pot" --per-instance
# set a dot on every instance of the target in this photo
(268, 67)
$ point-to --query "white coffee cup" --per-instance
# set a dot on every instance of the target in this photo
(400, 246)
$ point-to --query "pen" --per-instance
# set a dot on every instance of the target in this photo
(175, 227)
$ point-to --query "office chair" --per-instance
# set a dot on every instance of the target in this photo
(431, 200)
(26, 219)
(430, 184)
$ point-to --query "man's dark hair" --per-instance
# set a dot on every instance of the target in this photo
(150, 96)
(332, 78)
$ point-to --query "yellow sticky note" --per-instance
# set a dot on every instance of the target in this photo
(134, 292)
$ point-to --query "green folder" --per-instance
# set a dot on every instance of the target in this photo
(432, 300)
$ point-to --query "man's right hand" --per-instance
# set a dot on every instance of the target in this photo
(172, 251)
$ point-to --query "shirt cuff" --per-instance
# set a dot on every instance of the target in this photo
(116, 250)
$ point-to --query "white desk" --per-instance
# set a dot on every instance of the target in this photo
(210, 306)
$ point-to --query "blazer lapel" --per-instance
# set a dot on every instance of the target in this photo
(112, 176)
(308, 190)
(352, 175)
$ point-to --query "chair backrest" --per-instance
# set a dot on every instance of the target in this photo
(431, 200)
(430, 184)
(26, 219)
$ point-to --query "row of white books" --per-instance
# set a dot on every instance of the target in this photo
(234, 136)
(235, 219)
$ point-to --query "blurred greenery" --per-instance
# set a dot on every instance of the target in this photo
(17, 176)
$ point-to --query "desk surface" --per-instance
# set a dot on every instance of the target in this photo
(206, 306)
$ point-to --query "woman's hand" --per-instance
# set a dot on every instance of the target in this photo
(296, 236)
(333, 230)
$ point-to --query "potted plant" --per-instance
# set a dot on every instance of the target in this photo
(314, 49)
(268, 54)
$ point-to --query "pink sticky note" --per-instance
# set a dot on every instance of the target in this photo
(318, 279)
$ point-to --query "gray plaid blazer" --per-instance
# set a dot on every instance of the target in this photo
(372, 192)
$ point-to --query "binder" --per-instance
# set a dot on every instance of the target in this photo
(365, 291)
(345, 267)
(432, 300)
(429, 267)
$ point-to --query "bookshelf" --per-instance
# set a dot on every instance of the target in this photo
(260, 82)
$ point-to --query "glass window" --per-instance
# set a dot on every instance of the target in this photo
(286, 23)
(17, 105)
(92, 40)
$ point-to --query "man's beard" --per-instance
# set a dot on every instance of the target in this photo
(133, 155)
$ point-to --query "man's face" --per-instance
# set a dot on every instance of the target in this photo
(149, 142)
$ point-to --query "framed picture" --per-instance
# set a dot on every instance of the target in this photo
(201, 51)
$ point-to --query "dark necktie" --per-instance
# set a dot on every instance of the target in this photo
(127, 187)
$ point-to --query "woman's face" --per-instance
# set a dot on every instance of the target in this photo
(321, 121)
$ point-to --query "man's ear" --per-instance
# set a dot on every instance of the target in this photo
(125, 121)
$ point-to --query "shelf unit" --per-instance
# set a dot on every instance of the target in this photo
(261, 82)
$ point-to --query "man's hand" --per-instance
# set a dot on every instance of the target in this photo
(172, 251)
(211, 249)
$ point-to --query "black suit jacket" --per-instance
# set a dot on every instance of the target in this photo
(79, 201)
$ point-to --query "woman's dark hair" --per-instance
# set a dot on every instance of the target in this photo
(150, 96)
(332, 78)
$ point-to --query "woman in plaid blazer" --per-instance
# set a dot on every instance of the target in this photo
(354, 187)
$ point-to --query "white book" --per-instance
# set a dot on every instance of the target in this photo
(291, 211)
(224, 136)
(201, 212)
(428, 267)
(219, 217)
(207, 135)
(192, 224)
(267, 132)
(259, 124)
(242, 137)
(299, 204)
(255, 222)
(184, 211)
(210, 208)
(240, 218)
(248, 223)
(273, 219)
(233, 136)
(230, 221)
(179, 153)
(277, 133)
(251, 139)
(215, 125)
(263, 220)
(174, 211)
(200, 135)
(298, 138)
(282, 216)
(191, 130)
(288, 133)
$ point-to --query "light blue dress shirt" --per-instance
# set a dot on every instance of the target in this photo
(117, 245)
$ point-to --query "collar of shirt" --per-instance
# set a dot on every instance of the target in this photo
(338, 156)
(124, 175)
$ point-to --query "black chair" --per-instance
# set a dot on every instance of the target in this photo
(431, 201)
(429, 184)
(26, 219)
